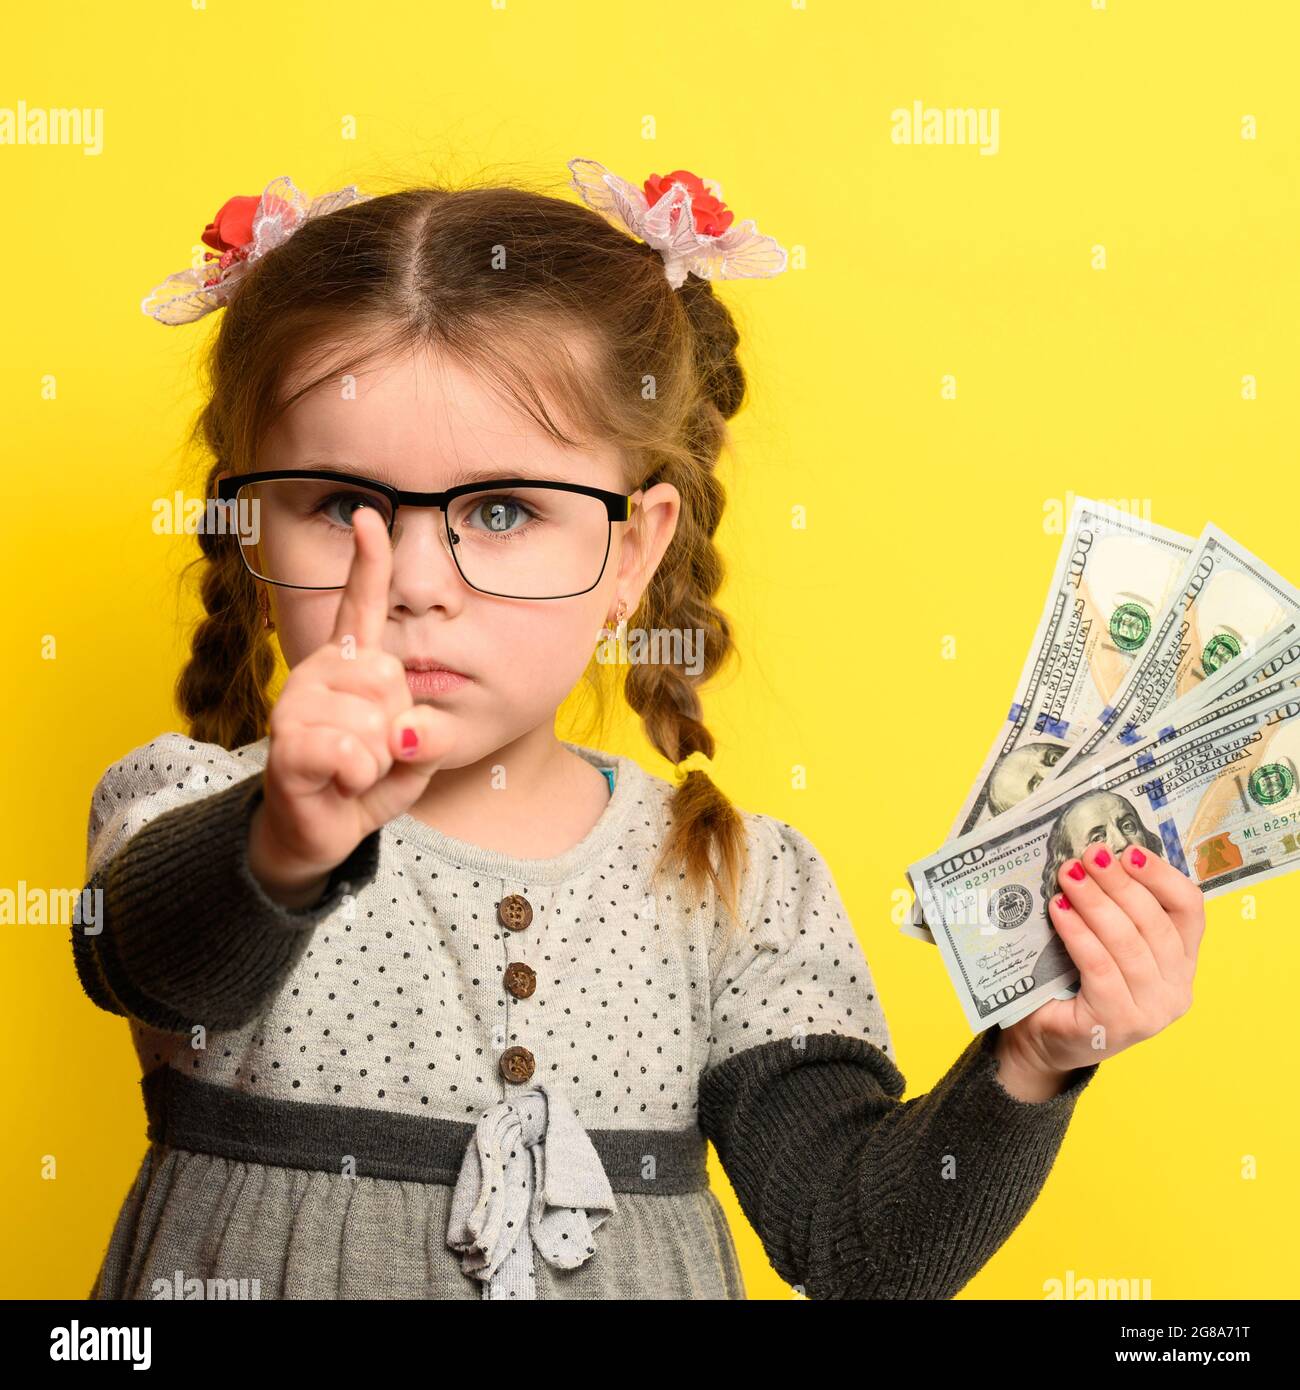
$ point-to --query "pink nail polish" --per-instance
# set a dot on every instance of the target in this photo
(1102, 858)
(1076, 870)
(410, 740)
(1137, 858)
(1063, 903)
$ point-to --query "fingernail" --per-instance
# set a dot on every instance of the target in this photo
(1102, 858)
(410, 741)
(1137, 858)
(1063, 903)
(1076, 870)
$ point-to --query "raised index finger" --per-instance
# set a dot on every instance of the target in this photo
(363, 609)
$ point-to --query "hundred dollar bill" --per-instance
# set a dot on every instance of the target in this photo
(1114, 576)
(1221, 802)
(1228, 600)
(1273, 667)
(1097, 771)
(1272, 670)
(1260, 680)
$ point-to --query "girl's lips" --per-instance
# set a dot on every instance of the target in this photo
(435, 681)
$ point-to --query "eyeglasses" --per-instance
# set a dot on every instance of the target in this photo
(512, 537)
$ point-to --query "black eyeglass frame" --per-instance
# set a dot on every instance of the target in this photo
(618, 507)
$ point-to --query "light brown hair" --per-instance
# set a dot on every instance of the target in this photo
(496, 278)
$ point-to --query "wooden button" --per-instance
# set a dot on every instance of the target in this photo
(520, 979)
(517, 1064)
(514, 912)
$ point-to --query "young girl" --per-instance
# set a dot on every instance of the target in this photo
(430, 1003)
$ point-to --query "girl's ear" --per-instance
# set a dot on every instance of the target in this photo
(653, 526)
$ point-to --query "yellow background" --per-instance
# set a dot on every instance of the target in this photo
(1119, 127)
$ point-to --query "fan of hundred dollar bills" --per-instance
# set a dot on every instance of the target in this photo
(1159, 705)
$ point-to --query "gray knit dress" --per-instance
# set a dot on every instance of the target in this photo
(462, 1074)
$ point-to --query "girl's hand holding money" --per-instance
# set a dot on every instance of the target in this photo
(1133, 926)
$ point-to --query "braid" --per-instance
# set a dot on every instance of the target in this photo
(707, 833)
(716, 340)
(222, 689)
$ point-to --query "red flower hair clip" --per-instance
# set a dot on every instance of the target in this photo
(242, 232)
(683, 217)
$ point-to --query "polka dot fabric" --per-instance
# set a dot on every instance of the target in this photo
(795, 968)
(398, 1000)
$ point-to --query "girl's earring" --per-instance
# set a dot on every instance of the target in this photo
(620, 619)
(265, 605)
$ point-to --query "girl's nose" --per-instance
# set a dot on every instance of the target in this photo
(424, 573)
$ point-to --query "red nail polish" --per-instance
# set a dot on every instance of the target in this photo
(1102, 858)
(1063, 903)
(1137, 858)
(1076, 870)
(410, 739)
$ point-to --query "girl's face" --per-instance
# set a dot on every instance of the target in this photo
(424, 423)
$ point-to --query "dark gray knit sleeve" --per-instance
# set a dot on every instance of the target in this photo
(857, 1194)
(186, 934)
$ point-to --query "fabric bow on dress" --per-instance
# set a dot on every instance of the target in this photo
(530, 1178)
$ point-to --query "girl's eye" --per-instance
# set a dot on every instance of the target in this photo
(347, 504)
(499, 514)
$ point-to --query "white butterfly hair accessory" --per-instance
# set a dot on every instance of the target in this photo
(683, 217)
(242, 232)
